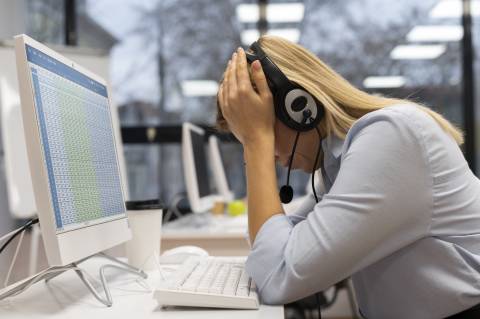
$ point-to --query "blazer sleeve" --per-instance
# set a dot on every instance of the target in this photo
(380, 202)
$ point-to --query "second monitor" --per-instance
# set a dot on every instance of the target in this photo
(198, 164)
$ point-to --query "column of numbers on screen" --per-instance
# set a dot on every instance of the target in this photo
(56, 147)
(82, 150)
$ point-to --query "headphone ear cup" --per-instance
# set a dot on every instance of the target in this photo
(299, 109)
(280, 111)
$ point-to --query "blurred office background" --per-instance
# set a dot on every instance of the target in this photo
(165, 59)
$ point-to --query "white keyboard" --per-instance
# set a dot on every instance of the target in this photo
(219, 282)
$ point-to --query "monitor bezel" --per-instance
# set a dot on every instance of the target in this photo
(219, 169)
(70, 246)
(197, 204)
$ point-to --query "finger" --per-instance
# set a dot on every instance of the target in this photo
(260, 80)
(219, 96)
(224, 107)
(222, 96)
(225, 83)
(224, 75)
(243, 79)
(232, 78)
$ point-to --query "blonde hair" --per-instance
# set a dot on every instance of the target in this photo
(344, 103)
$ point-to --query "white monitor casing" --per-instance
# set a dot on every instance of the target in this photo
(219, 169)
(198, 204)
(65, 247)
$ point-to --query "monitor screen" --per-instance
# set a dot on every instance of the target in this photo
(201, 168)
(76, 132)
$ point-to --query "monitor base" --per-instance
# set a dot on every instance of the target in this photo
(54, 271)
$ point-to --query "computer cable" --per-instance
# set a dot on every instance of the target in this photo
(14, 259)
(31, 281)
(319, 307)
(6, 236)
(334, 297)
(18, 232)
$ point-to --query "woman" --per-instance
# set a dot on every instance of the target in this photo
(400, 212)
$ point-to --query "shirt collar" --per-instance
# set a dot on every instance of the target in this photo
(332, 145)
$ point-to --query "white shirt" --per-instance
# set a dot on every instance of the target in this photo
(400, 214)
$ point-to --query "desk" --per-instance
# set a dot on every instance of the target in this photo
(226, 236)
(65, 297)
(219, 235)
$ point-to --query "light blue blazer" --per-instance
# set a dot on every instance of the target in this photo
(400, 214)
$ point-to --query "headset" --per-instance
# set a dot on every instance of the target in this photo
(294, 106)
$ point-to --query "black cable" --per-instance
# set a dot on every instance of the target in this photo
(291, 157)
(334, 297)
(18, 232)
(319, 307)
(315, 164)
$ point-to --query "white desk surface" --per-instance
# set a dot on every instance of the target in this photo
(66, 297)
(206, 225)
(219, 235)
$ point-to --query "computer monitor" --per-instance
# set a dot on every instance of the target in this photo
(196, 169)
(219, 169)
(72, 154)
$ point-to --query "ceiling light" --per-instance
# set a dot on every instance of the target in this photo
(286, 12)
(453, 9)
(247, 13)
(417, 52)
(278, 12)
(381, 82)
(435, 33)
(249, 36)
(199, 88)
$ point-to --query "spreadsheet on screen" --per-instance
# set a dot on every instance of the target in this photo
(76, 132)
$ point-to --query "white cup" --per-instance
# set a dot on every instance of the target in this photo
(145, 220)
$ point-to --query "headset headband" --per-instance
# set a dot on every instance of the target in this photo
(275, 75)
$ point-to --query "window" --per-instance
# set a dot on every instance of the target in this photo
(165, 72)
(45, 20)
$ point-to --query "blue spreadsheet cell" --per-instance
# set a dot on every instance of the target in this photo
(76, 132)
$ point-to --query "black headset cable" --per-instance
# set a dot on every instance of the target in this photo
(316, 162)
(291, 157)
(319, 308)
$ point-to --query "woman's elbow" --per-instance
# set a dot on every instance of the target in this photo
(276, 292)
(270, 296)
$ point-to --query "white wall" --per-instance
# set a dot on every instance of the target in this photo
(12, 18)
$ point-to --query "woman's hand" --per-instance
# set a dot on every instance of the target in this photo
(250, 115)
(251, 118)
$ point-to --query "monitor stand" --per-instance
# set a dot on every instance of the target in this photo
(50, 273)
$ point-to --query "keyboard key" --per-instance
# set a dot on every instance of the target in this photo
(207, 280)
(243, 284)
(232, 281)
(219, 282)
(216, 282)
(179, 278)
(191, 282)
